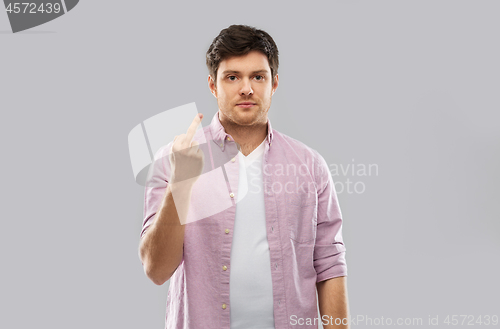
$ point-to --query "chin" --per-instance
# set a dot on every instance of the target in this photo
(244, 121)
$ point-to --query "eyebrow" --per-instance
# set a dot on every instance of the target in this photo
(237, 72)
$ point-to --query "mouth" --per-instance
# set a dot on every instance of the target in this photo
(245, 104)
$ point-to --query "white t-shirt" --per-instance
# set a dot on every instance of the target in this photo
(250, 283)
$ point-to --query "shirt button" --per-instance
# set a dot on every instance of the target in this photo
(224, 267)
(233, 159)
(223, 306)
(231, 195)
(228, 138)
(221, 144)
(227, 231)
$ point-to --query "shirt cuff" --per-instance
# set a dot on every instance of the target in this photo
(333, 272)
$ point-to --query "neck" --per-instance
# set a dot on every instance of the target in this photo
(248, 137)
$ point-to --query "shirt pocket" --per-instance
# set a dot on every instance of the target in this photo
(302, 219)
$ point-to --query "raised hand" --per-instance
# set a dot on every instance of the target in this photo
(186, 159)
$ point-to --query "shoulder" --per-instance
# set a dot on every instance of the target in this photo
(296, 151)
(302, 151)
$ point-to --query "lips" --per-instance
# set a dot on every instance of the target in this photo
(245, 104)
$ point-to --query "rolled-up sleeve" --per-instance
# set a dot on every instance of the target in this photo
(156, 186)
(329, 249)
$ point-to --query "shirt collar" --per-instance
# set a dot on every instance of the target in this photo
(220, 136)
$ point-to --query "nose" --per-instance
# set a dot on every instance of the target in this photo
(246, 88)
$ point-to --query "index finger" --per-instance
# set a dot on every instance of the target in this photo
(194, 125)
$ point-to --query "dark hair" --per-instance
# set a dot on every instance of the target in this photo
(238, 40)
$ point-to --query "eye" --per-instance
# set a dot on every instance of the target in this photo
(259, 77)
(232, 78)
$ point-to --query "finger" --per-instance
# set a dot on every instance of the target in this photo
(194, 145)
(173, 143)
(178, 141)
(192, 128)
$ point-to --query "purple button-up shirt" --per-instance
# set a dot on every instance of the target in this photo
(304, 232)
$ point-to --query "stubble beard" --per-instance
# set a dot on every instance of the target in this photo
(233, 118)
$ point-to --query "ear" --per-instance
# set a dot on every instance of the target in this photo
(211, 86)
(275, 84)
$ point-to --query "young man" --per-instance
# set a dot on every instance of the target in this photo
(259, 262)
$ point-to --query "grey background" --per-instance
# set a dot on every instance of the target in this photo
(411, 86)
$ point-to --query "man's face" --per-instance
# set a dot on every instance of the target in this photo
(244, 89)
